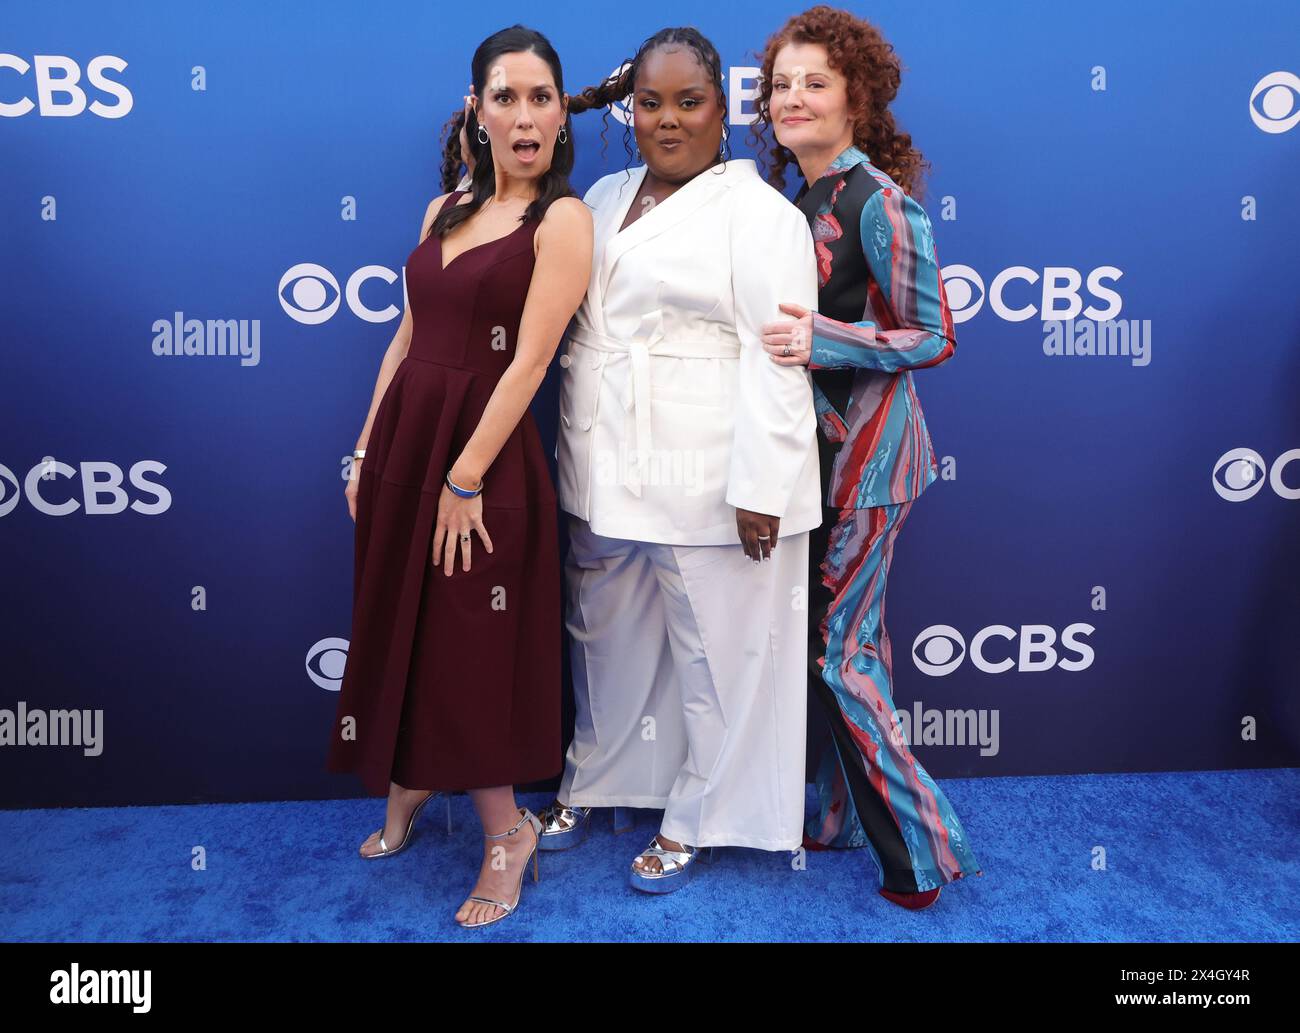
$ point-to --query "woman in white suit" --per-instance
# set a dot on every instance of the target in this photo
(688, 466)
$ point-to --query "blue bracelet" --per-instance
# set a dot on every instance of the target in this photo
(463, 492)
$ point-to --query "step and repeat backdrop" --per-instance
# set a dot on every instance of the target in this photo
(1106, 577)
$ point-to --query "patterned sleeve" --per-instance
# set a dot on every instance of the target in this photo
(898, 244)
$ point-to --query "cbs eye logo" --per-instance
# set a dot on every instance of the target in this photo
(325, 662)
(308, 300)
(1240, 472)
(940, 649)
(9, 494)
(965, 291)
(1275, 102)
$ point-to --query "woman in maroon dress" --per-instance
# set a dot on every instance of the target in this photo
(453, 672)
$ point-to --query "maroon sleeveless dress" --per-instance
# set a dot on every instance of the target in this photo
(453, 682)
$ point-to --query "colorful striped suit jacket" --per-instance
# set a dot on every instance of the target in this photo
(886, 455)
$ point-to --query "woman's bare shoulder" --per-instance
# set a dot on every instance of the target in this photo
(567, 224)
(435, 206)
(567, 215)
(570, 212)
(431, 213)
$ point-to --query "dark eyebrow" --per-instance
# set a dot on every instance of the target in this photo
(687, 89)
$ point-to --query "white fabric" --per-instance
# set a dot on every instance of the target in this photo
(664, 356)
(690, 686)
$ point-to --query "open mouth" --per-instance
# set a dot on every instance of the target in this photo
(527, 148)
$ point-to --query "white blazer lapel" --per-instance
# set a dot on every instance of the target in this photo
(669, 212)
(611, 208)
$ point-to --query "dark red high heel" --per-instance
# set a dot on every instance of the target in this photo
(912, 901)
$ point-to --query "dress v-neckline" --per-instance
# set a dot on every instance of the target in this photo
(485, 243)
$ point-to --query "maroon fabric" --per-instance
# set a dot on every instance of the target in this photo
(453, 682)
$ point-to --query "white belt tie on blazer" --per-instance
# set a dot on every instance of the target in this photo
(649, 341)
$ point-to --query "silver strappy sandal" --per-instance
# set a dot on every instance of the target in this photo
(507, 909)
(675, 865)
(385, 851)
(564, 826)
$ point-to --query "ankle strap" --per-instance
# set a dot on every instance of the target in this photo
(524, 818)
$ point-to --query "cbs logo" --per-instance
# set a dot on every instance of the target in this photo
(100, 484)
(1058, 298)
(1275, 102)
(326, 660)
(65, 83)
(1239, 474)
(310, 294)
(940, 649)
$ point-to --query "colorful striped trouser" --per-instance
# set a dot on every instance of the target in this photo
(871, 791)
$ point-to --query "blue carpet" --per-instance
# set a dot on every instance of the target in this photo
(1189, 856)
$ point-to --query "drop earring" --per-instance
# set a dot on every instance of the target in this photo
(482, 135)
(563, 135)
(723, 145)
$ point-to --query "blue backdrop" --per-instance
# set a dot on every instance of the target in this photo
(1105, 577)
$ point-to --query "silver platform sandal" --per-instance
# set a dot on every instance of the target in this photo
(676, 867)
(564, 827)
(385, 851)
(526, 817)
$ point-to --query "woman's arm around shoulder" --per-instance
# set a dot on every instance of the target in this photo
(898, 245)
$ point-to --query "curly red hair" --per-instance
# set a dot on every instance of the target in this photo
(858, 51)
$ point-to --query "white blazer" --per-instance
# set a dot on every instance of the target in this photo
(663, 361)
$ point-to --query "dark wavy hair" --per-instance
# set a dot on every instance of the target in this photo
(452, 167)
(621, 84)
(859, 52)
(553, 183)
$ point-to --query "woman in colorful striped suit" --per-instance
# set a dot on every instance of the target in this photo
(827, 78)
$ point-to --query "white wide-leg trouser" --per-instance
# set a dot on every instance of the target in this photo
(690, 686)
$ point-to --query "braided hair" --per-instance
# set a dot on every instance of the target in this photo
(621, 84)
(453, 166)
